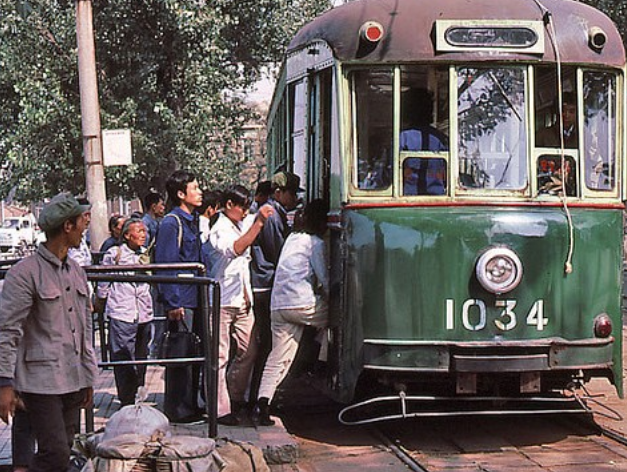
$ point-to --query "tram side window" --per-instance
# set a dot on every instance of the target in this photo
(492, 128)
(599, 137)
(298, 122)
(374, 115)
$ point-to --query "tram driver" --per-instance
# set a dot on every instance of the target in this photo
(550, 137)
(550, 171)
(421, 176)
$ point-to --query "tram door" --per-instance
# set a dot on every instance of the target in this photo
(311, 133)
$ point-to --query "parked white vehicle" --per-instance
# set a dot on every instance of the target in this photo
(18, 234)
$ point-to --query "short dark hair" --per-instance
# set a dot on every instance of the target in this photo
(315, 217)
(113, 221)
(569, 97)
(238, 194)
(416, 107)
(264, 188)
(152, 198)
(211, 199)
(178, 182)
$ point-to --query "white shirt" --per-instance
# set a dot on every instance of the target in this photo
(203, 224)
(301, 270)
(81, 254)
(225, 266)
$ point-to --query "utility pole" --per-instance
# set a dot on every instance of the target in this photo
(90, 122)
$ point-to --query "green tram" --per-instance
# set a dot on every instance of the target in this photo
(473, 157)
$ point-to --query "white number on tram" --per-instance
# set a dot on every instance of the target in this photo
(474, 315)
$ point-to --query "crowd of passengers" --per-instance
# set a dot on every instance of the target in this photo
(268, 258)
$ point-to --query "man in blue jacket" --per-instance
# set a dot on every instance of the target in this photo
(178, 240)
(265, 256)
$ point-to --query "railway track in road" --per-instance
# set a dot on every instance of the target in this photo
(399, 451)
(550, 443)
(530, 443)
(547, 443)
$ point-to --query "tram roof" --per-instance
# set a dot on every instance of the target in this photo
(402, 19)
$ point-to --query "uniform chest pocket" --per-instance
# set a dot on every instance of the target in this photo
(50, 312)
(82, 291)
(49, 293)
(189, 242)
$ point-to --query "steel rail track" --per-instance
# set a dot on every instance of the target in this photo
(397, 449)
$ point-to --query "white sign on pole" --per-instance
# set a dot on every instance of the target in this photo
(116, 147)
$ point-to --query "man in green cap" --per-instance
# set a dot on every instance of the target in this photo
(285, 187)
(46, 353)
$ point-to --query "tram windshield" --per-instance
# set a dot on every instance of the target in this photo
(404, 144)
(492, 138)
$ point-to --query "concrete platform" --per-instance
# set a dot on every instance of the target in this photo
(278, 446)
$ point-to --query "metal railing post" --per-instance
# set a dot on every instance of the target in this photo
(210, 323)
(213, 359)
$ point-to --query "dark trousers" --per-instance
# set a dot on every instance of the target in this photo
(262, 338)
(54, 420)
(182, 383)
(22, 440)
(158, 325)
(129, 342)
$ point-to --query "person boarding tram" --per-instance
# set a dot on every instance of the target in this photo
(299, 298)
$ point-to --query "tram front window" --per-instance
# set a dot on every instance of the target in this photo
(553, 177)
(374, 115)
(492, 129)
(599, 138)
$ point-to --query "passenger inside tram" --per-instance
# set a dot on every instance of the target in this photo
(550, 137)
(551, 174)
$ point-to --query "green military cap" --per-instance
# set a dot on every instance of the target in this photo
(286, 181)
(60, 209)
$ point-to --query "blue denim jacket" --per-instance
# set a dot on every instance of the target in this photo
(267, 247)
(167, 250)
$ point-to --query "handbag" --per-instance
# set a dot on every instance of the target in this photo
(179, 344)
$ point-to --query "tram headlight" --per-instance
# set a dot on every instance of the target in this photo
(597, 38)
(602, 326)
(499, 270)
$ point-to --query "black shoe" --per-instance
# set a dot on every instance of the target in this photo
(191, 419)
(264, 413)
(228, 420)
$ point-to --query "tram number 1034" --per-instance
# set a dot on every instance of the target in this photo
(474, 315)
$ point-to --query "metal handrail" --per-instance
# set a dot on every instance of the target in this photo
(210, 333)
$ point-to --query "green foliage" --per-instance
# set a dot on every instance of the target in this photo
(170, 70)
(615, 9)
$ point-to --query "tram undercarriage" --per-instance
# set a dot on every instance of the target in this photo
(547, 378)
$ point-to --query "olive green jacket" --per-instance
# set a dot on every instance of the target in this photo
(45, 326)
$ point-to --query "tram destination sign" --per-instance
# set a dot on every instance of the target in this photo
(480, 35)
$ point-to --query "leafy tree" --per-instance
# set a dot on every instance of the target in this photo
(615, 9)
(170, 70)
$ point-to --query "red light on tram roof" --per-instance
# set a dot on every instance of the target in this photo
(371, 31)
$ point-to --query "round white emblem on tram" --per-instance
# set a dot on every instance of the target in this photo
(499, 270)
